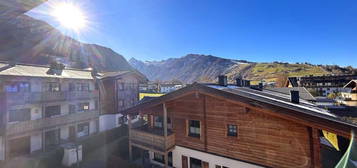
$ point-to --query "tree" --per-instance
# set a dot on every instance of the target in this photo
(333, 95)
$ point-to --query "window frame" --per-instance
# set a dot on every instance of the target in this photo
(232, 130)
(81, 128)
(50, 87)
(81, 106)
(194, 134)
(52, 114)
(19, 115)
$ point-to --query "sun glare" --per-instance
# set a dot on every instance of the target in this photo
(69, 16)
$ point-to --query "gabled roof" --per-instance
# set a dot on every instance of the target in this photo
(27, 70)
(293, 81)
(116, 74)
(351, 84)
(303, 93)
(265, 99)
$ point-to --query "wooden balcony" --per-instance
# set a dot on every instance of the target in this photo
(43, 123)
(152, 139)
(39, 97)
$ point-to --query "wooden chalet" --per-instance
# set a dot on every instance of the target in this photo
(214, 126)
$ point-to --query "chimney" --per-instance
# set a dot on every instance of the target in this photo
(294, 96)
(260, 86)
(56, 68)
(222, 80)
(246, 83)
(239, 82)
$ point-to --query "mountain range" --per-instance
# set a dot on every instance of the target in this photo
(28, 40)
(206, 68)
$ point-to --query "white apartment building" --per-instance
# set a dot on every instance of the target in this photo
(42, 107)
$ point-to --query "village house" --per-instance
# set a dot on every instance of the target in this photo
(321, 85)
(166, 88)
(43, 107)
(349, 96)
(118, 91)
(230, 126)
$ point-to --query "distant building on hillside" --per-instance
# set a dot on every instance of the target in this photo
(321, 85)
(349, 97)
(149, 87)
(166, 88)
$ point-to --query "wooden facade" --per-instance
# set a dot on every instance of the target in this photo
(118, 92)
(269, 137)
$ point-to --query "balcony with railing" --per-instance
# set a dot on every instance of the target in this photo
(152, 138)
(33, 125)
(18, 98)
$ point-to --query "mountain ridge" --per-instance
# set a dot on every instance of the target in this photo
(28, 40)
(206, 68)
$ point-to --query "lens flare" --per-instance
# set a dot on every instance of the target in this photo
(69, 16)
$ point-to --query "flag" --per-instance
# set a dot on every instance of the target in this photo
(332, 138)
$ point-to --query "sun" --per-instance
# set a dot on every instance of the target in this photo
(69, 15)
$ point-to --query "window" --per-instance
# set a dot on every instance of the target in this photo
(17, 87)
(218, 166)
(194, 128)
(121, 103)
(83, 130)
(121, 86)
(72, 87)
(52, 111)
(72, 108)
(11, 88)
(159, 158)
(232, 130)
(83, 106)
(158, 121)
(53, 87)
(24, 87)
(19, 115)
(195, 163)
(52, 138)
(85, 87)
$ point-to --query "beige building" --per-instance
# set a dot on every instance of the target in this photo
(350, 96)
(42, 107)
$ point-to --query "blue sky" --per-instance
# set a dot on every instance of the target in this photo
(316, 31)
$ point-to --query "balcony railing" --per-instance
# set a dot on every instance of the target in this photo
(152, 138)
(32, 125)
(39, 97)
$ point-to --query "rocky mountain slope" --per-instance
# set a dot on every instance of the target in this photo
(28, 40)
(190, 68)
(206, 68)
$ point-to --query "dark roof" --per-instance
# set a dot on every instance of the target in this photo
(265, 99)
(146, 99)
(28, 70)
(293, 81)
(105, 75)
(303, 93)
(351, 84)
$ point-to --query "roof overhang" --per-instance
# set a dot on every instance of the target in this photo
(18, 7)
(142, 78)
(351, 84)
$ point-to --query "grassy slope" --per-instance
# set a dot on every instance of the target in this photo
(270, 71)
